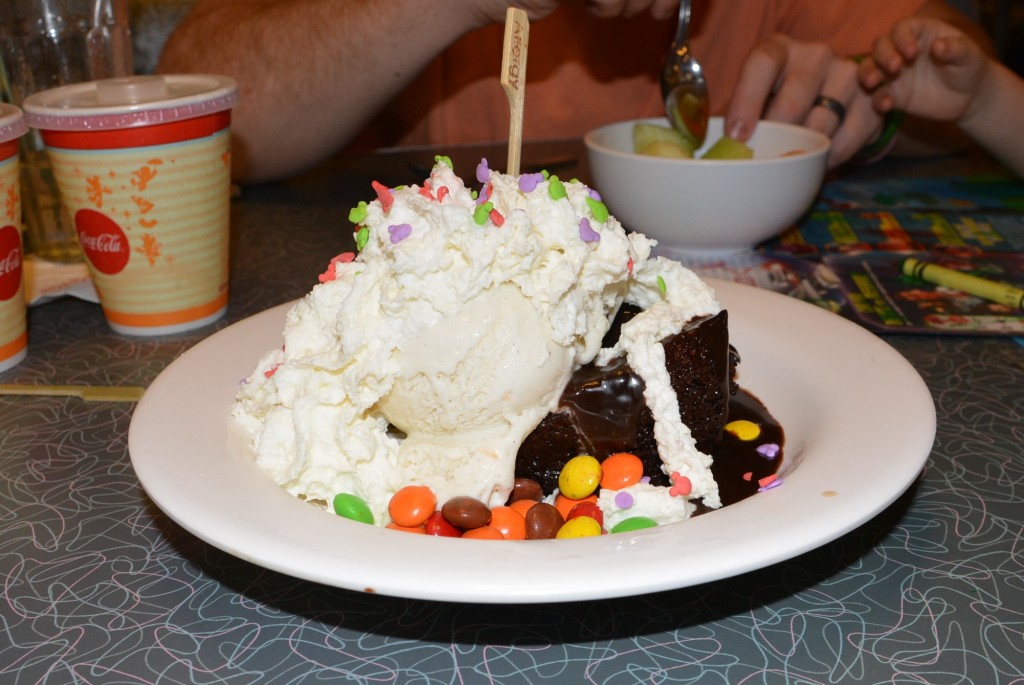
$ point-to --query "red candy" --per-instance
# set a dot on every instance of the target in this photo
(586, 508)
(437, 525)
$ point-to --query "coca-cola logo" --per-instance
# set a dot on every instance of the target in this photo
(10, 262)
(103, 241)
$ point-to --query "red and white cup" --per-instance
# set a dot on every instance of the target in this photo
(13, 333)
(143, 164)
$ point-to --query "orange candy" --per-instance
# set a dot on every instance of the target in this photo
(509, 522)
(483, 533)
(565, 505)
(418, 530)
(621, 470)
(522, 505)
(412, 505)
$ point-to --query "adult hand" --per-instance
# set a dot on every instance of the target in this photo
(785, 80)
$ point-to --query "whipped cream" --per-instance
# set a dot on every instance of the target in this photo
(428, 357)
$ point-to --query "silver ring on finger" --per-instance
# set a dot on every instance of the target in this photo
(832, 105)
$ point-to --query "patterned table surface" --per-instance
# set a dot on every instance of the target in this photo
(99, 586)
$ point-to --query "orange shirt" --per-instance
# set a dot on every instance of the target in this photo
(584, 72)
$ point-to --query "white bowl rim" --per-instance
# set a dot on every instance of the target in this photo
(819, 144)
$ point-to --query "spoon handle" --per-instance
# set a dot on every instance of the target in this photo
(683, 25)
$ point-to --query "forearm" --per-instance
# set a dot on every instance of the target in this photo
(310, 77)
(994, 120)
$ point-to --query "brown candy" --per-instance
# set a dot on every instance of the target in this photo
(466, 513)
(543, 521)
(526, 488)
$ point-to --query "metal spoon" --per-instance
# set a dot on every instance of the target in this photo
(683, 86)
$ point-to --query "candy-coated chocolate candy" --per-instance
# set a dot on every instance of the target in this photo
(437, 525)
(526, 488)
(743, 429)
(543, 521)
(566, 504)
(351, 507)
(418, 530)
(412, 505)
(510, 522)
(621, 470)
(466, 513)
(587, 508)
(483, 533)
(522, 506)
(579, 527)
(634, 523)
(579, 477)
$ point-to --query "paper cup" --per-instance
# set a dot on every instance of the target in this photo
(45, 44)
(143, 165)
(13, 334)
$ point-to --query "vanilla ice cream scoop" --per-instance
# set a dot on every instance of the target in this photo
(469, 390)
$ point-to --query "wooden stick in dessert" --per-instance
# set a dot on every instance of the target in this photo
(513, 79)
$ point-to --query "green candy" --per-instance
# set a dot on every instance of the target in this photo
(598, 209)
(482, 213)
(357, 214)
(661, 285)
(634, 523)
(444, 159)
(353, 508)
(362, 237)
(556, 189)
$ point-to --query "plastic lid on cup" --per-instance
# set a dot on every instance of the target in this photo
(12, 122)
(129, 101)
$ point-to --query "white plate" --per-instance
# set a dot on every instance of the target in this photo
(859, 425)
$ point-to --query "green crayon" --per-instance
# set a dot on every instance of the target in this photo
(1003, 293)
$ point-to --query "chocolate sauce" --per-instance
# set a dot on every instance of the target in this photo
(605, 404)
(602, 411)
(735, 458)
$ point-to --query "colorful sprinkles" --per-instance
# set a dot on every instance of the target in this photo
(399, 232)
(598, 209)
(332, 268)
(384, 195)
(482, 213)
(362, 237)
(357, 214)
(528, 182)
(556, 189)
(588, 234)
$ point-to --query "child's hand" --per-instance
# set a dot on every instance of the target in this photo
(926, 68)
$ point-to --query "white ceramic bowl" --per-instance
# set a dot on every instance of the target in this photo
(709, 206)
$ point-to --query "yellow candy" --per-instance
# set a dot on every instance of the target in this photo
(744, 430)
(579, 477)
(579, 527)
